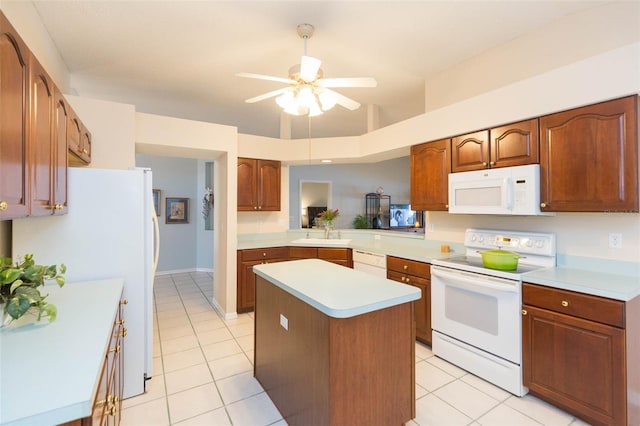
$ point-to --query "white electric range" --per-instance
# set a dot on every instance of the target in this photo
(475, 311)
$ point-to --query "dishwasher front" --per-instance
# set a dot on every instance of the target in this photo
(371, 263)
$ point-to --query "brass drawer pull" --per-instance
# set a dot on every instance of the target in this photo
(112, 410)
(3, 206)
(405, 267)
(524, 312)
(543, 205)
(565, 303)
(123, 333)
(116, 349)
(121, 322)
(124, 302)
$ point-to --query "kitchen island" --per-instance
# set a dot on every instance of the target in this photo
(334, 346)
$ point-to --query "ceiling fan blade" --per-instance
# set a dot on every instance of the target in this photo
(348, 82)
(266, 77)
(309, 67)
(348, 103)
(266, 95)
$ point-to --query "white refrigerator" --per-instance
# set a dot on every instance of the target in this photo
(110, 231)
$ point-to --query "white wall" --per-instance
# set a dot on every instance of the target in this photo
(112, 126)
(204, 238)
(175, 177)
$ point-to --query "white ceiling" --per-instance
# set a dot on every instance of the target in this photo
(179, 58)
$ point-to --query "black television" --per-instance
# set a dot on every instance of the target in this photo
(402, 216)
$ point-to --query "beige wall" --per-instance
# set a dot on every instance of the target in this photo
(560, 43)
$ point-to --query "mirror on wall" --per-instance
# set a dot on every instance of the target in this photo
(315, 196)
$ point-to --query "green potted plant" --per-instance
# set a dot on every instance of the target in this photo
(361, 222)
(19, 292)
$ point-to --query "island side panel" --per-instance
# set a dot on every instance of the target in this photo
(373, 367)
(292, 365)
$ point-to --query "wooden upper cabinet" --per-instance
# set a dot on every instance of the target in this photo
(60, 165)
(470, 152)
(258, 185)
(430, 168)
(77, 139)
(14, 90)
(41, 144)
(515, 144)
(268, 185)
(589, 158)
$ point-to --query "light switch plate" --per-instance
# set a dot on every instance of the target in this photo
(284, 322)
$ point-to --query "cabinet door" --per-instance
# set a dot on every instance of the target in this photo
(470, 152)
(247, 184)
(86, 145)
(589, 158)
(576, 364)
(268, 185)
(430, 168)
(422, 306)
(60, 166)
(14, 89)
(515, 144)
(74, 137)
(41, 141)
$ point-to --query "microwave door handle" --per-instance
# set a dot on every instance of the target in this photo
(508, 193)
(474, 282)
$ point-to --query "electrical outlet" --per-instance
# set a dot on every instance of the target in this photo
(284, 322)
(615, 240)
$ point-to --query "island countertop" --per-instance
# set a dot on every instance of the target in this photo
(334, 290)
(49, 371)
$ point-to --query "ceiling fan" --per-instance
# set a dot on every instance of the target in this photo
(308, 91)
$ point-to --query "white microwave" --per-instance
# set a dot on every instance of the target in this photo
(502, 191)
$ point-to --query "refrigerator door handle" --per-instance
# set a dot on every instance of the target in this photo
(156, 241)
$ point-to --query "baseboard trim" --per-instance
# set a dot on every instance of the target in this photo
(223, 314)
(182, 271)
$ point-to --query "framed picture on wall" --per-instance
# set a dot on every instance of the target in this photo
(156, 201)
(177, 210)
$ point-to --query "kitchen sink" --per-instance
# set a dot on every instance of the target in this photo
(322, 241)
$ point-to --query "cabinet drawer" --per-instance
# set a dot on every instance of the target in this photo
(410, 267)
(303, 252)
(264, 253)
(334, 253)
(594, 308)
(407, 279)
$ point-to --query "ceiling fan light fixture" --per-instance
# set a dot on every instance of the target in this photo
(327, 100)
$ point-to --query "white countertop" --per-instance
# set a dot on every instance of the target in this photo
(334, 290)
(604, 284)
(49, 371)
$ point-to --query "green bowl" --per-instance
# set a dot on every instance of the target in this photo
(500, 259)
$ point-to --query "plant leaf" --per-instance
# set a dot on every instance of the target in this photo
(17, 306)
(16, 284)
(9, 275)
(31, 293)
(51, 311)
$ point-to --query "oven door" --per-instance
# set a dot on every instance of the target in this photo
(479, 310)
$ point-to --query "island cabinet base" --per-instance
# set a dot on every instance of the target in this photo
(334, 371)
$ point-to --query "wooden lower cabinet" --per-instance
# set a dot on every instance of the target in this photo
(417, 274)
(107, 404)
(246, 279)
(580, 353)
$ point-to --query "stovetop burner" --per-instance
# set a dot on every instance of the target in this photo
(538, 249)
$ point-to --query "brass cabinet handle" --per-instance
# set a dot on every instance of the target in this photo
(543, 205)
(84, 151)
(112, 410)
(255, 207)
(123, 333)
(484, 163)
(492, 163)
(564, 303)
(259, 207)
(121, 322)
(446, 206)
(264, 254)
(524, 312)
(124, 302)
(408, 279)
(3, 206)
(115, 350)
(402, 279)
(405, 267)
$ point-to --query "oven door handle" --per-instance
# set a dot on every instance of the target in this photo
(474, 282)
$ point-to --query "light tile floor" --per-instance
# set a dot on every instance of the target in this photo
(203, 374)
